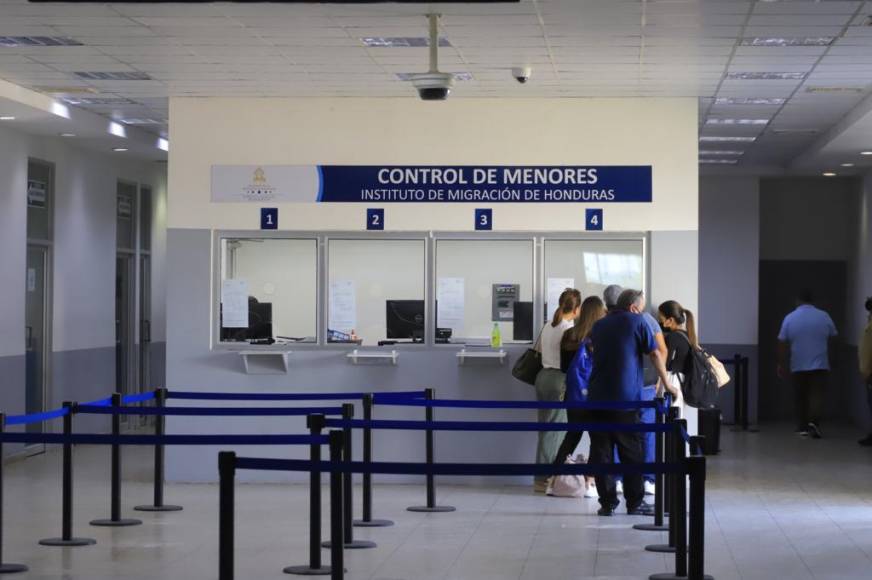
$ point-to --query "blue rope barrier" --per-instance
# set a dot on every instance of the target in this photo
(140, 398)
(497, 426)
(36, 417)
(478, 404)
(478, 469)
(210, 411)
(100, 439)
(99, 402)
(197, 396)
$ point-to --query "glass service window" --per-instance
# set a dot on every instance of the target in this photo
(376, 291)
(482, 285)
(590, 266)
(268, 290)
(126, 216)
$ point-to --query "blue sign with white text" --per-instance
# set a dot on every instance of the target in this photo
(488, 184)
(269, 218)
(593, 219)
(484, 219)
(375, 218)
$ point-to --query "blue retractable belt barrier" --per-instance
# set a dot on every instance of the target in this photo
(191, 395)
(100, 439)
(210, 411)
(99, 402)
(457, 468)
(140, 398)
(497, 426)
(36, 417)
(477, 404)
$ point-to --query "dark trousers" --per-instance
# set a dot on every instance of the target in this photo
(809, 392)
(572, 438)
(630, 449)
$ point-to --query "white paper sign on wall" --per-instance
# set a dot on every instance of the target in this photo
(342, 306)
(556, 286)
(234, 303)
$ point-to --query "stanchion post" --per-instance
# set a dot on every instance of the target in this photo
(366, 521)
(315, 423)
(115, 519)
(160, 397)
(678, 513)
(5, 568)
(672, 440)
(429, 395)
(67, 538)
(337, 569)
(737, 390)
(659, 487)
(696, 469)
(226, 513)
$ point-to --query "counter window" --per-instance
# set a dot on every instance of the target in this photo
(268, 290)
(482, 286)
(590, 266)
(376, 291)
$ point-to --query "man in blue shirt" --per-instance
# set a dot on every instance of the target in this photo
(620, 341)
(805, 336)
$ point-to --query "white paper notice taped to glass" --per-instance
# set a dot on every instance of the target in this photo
(556, 286)
(234, 303)
(450, 304)
(343, 306)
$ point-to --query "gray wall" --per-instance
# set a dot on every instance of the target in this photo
(860, 279)
(83, 267)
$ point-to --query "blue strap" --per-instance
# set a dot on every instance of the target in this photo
(478, 404)
(36, 417)
(99, 402)
(497, 426)
(210, 411)
(477, 469)
(100, 439)
(140, 398)
(198, 396)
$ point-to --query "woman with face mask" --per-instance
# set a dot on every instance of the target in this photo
(679, 328)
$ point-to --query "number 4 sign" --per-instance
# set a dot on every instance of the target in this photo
(593, 220)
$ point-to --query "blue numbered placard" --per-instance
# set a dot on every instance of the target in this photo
(593, 220)
(269, 218)
(375, 218)
(484, 219)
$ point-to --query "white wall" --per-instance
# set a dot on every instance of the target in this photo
(657, 132)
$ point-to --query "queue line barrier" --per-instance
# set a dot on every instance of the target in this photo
(741, 396)
(690, 559)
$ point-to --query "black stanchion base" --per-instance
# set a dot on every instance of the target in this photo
(672, 576)
(12, 568)
(373, 523)
(660, 548)
(72, 542)
(158, 508)
(651, 528)
(434, 509)
(354, 545)
(307, 571)
(116, 523)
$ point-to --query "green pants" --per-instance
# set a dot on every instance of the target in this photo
(550, 386)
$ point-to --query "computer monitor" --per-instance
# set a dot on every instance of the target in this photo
(522, 328)
(259, 323)
(404, 320)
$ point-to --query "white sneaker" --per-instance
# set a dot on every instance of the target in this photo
(550, 489)
(649, 487)
(619, 487)
(591, 491)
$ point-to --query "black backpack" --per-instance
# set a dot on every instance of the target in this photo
(700, 385)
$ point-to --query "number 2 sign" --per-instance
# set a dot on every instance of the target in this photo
(375, 219)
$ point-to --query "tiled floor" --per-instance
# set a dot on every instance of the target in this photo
(778, 507)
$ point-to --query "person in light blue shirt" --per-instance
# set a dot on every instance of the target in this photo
(804, 338)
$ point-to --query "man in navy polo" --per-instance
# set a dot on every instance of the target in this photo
(805, 334)
(620, 342)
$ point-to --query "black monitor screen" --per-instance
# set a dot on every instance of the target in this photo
(523, 323)
(259, 324)
(405, 319)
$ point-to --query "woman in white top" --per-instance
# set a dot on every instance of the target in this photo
(551, 381)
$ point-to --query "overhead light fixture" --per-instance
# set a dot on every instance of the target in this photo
(787, 41)
(750, 101)
(720, 121)
(117, 129)
(795, 131)
(720, 152)
(18, 41)
(458, 76)
(865, 152)
(835, 90)
(7, 118)
(766, 76)
(718, 161)
(400, 41)
(67, 135)
(163, 144)
(112, 76)
(60, 109)
(119, 149)
(829, 174)
(847, 165)
(726, 139)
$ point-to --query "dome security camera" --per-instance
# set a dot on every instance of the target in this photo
(433, 86)
(522, 73)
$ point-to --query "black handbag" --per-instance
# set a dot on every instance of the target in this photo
(528, 365)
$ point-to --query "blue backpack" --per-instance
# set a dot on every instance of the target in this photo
(578, 374)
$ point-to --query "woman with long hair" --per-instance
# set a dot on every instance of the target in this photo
(679, 327)
(551, 381)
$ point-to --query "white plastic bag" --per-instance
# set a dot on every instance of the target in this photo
(570, 485)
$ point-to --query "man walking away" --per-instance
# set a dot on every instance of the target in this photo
(619, 342)
(804, 337)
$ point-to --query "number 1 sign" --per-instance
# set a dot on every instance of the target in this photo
(269, 218)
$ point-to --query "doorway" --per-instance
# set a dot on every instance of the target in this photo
(124, 353)
(36, 333)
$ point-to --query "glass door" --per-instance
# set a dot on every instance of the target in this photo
(145, 325)
(36, 332)
(124, 353)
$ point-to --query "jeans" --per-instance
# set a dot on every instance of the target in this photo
(572, 438)
(809, 391)
(629, 448)
(550, 386)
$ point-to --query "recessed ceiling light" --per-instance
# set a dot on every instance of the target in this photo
(835, 90)
(766, 76)
(720, 152)
(163, 144)
(787, 41)
(117, 129)
(7, 118)
(726, 138)
(15, 41)
(719, 121)
(829, 174)
(718, 161)
(119, 149)
(865, 152)
(794, 131)
(400, 41)
(847, 165)
(750, 101)
(112, 76)
(67, 134)
(458, 76)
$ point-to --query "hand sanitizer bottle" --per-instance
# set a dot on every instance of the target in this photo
(496, 338)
